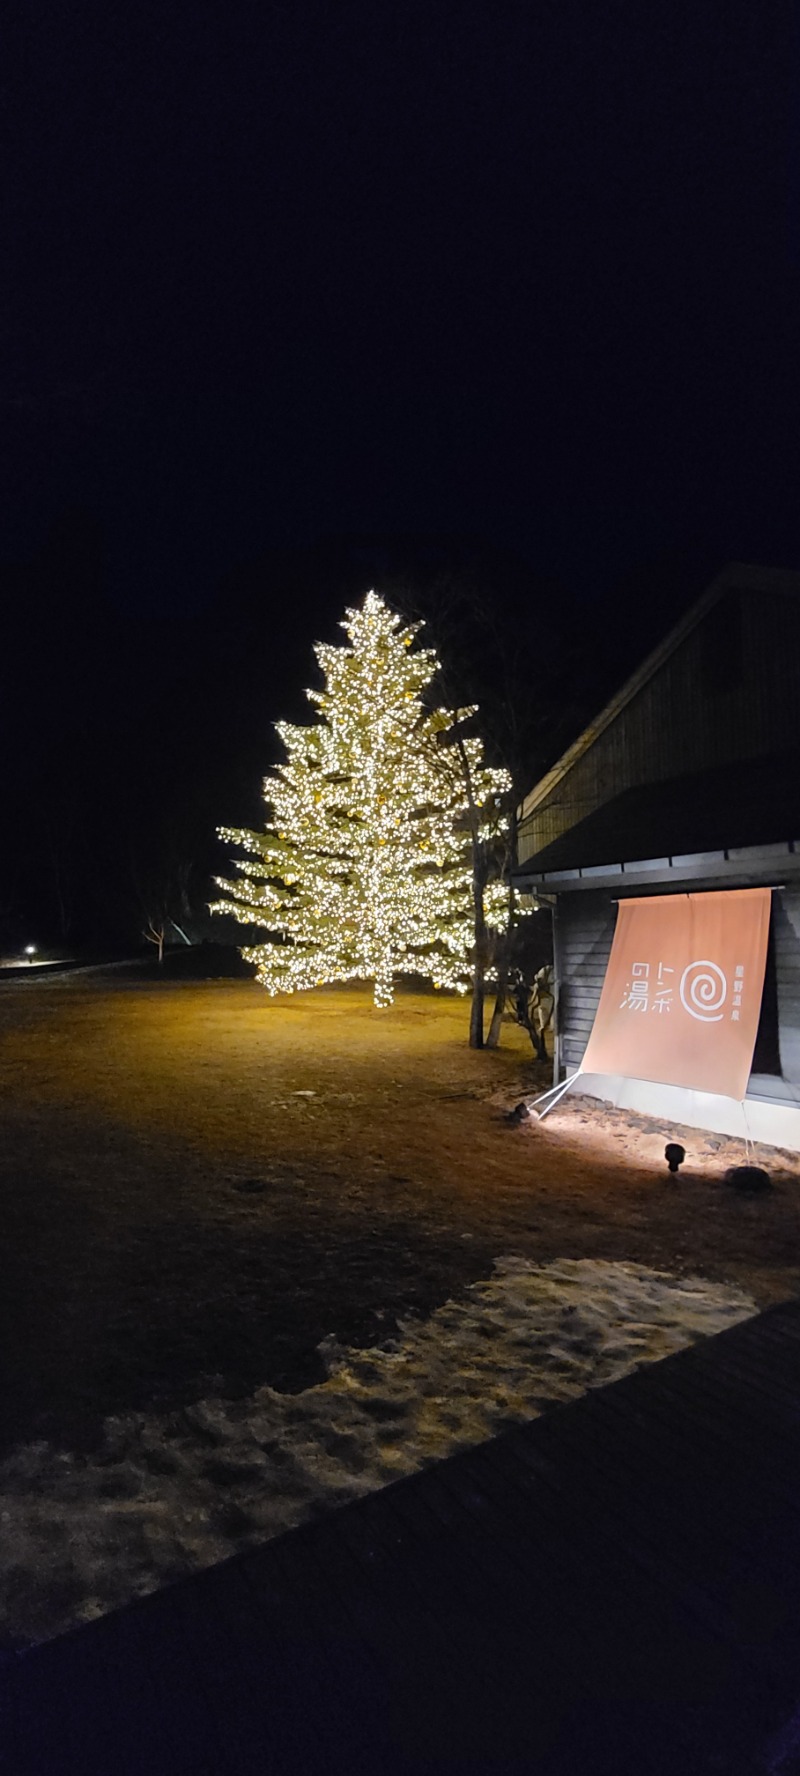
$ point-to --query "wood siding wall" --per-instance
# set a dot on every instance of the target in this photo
(584, 929)
(786, 929)
(730, 691)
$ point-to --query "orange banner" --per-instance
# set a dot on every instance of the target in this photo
(682, 994)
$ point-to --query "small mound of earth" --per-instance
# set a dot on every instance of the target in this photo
(751, 1179)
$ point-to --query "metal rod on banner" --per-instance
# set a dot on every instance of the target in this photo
(678, 893)
(554, 1094)
(748, 1139)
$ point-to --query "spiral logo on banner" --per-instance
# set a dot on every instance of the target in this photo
(703, 991)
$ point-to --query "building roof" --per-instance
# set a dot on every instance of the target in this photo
(735, 824)
(735, 575)
(752, 802)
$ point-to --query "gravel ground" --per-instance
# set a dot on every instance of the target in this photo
(201, 1184)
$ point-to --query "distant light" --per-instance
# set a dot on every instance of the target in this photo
(30, 949)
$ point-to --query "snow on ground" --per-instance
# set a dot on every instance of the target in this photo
(166, 1495)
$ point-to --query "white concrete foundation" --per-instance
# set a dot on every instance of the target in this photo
(774, 1122)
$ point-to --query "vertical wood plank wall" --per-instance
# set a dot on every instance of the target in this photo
(584, 925)
(786, 928)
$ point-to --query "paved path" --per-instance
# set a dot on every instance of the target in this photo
(613, 1590)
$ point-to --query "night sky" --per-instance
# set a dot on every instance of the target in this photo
(520, 275)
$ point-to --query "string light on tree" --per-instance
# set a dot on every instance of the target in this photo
(364, 869)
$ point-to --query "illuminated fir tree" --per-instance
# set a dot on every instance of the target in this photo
(365, 868)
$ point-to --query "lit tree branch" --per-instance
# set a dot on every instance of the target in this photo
(364, 870)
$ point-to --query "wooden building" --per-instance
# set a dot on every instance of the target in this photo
(688, 780)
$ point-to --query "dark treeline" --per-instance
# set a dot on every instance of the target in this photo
(128, 739)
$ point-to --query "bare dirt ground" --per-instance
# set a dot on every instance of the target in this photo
(199, 1184)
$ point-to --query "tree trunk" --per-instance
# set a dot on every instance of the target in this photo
(497, 1015)
(493, 1037)
(476, 1009)
(155, 935)
(481, 944)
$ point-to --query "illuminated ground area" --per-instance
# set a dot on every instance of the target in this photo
(179, 1218)
(259, 1256)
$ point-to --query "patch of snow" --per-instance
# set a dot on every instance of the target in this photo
(166, 1495)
